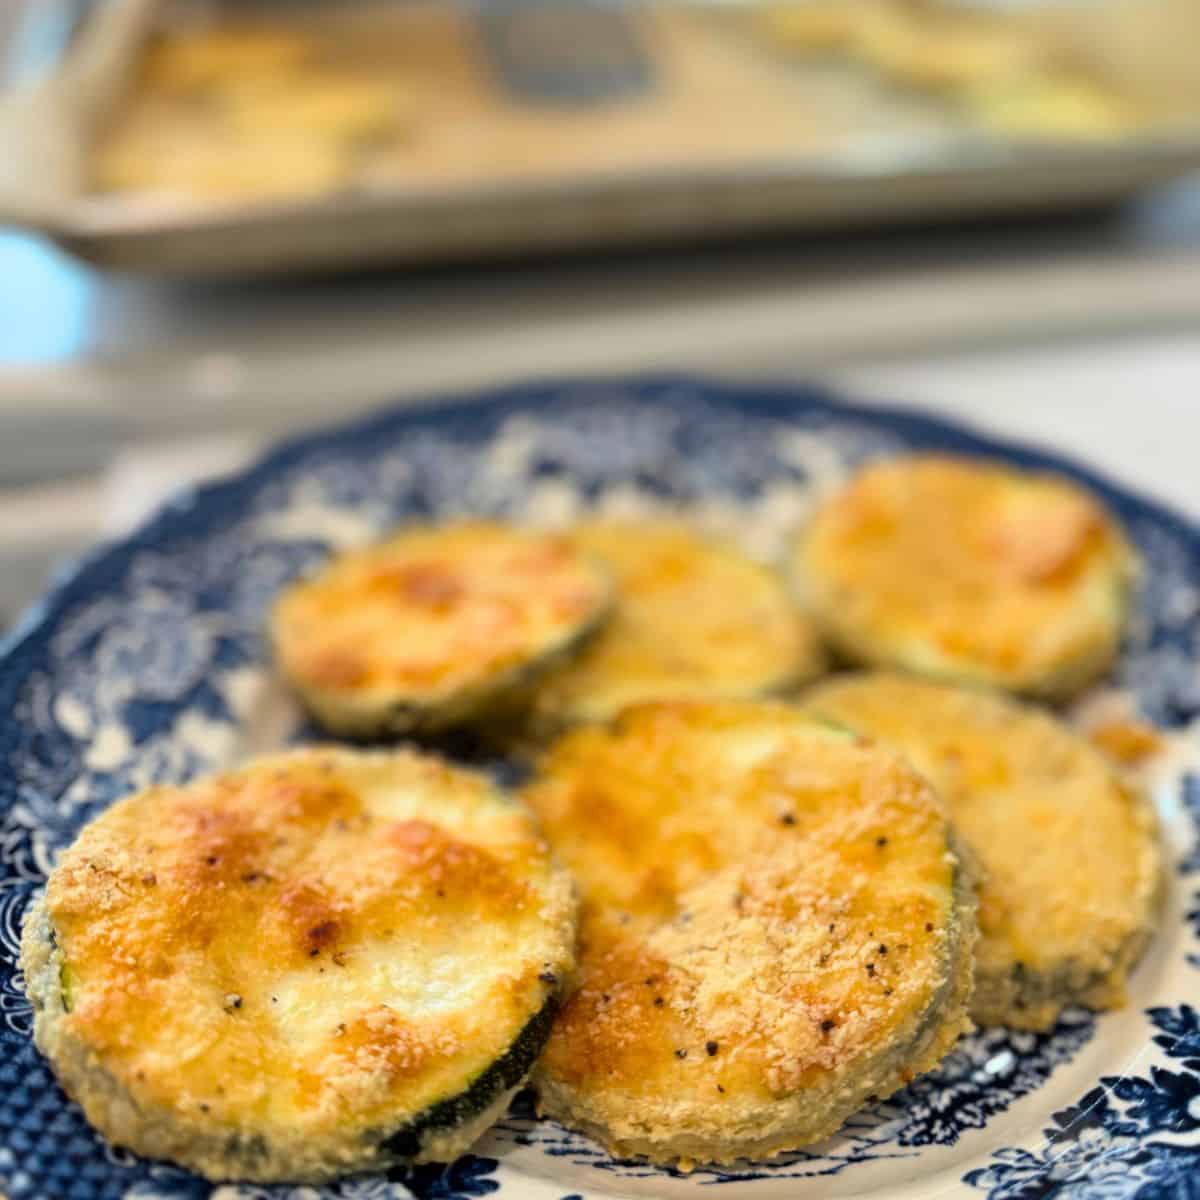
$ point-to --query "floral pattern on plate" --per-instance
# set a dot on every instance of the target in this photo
(147, 663)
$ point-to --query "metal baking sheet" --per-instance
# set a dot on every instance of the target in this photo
(47, 131)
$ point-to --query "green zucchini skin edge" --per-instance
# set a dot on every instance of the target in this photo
(480, 704)
(408, 1142)
(245, 1156)
(1055, 688)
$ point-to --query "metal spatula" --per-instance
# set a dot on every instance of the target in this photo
(573, 52)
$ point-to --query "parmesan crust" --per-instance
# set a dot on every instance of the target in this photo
(273, 973)
(694, 619)
(436, 626)
(970, 571)
(1068, 849)
(775, 927)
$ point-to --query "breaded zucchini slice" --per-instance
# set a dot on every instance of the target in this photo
(437, 626)
(326, 961)
(694, 619)
(971, 571)
(775, 929)
(1068, 851)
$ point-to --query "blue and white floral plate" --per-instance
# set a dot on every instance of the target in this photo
(148, 663)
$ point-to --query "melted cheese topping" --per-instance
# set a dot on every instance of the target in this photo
(767, 904)
(1068, 855)
(321, 943)
(693, 619)
(434, 612)
(963, 567)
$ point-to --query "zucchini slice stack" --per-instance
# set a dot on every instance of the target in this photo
(328, 961)
(333, 960)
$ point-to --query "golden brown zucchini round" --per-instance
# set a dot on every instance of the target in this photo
(694, 619)
(970, 571)
(326, 961)
(1071, 871)
(775, 928)
(435, 627)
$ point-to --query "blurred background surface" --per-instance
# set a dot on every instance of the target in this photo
(230, 222)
